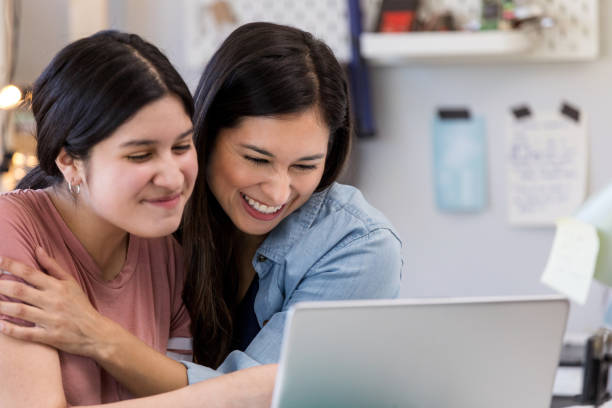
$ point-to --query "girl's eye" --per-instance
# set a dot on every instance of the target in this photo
(182, 148)
(258, 161)
(139, 157)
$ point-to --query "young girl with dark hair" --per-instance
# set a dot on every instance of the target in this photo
(267, 225)
(117, 166)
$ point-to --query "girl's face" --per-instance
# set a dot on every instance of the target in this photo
(140, 177)
(266, 167)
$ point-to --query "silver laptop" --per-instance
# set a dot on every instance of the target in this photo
(460, 353)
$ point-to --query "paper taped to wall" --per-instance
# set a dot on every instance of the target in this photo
(546, 166)
(571, 263)
(459, 159)
(597, 211)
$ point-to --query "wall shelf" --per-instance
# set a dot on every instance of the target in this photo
(574, 36)
(392, 48)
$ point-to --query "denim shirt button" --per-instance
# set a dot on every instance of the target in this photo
(261, 258)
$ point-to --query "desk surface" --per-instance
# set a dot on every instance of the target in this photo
(565, 402)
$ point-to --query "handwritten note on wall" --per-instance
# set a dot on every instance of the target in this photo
(547, 168)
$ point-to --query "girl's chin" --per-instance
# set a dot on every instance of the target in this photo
(157, 231)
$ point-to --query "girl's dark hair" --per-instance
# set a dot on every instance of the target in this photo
(261, 69)
(89, 89)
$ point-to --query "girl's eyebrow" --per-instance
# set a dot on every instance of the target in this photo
(267, 153)
(149, 142)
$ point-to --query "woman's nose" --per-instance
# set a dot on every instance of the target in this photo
(277, 190)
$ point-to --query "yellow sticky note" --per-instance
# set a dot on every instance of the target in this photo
(597, 211)
(571, 263)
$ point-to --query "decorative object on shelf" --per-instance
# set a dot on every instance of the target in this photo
(491, 14)
(550, 30)
(397, 15)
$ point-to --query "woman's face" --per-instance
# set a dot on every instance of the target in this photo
(140, 177)
(266, 167)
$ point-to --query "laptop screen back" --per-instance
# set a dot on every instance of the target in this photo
(461, 353)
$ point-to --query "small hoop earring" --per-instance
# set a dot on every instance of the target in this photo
(74, 190)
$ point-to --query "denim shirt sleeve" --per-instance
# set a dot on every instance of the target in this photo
(366, 267)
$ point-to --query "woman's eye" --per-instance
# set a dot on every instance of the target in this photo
(305, 167)
(182, 148)
(139, 157)
(258, 161)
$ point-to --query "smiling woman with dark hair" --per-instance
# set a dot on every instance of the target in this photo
(267, 225)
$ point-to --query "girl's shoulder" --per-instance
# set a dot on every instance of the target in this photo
(17, 203)
(20, 195)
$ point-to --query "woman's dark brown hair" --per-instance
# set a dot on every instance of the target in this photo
(261, 69)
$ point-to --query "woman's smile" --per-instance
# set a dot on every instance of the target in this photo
(261, 211)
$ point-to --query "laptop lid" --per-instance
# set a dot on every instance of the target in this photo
(461, 353)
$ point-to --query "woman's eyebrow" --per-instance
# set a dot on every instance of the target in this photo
(267, 153)
(149, 142)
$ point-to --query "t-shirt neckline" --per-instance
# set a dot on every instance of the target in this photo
(81, 255)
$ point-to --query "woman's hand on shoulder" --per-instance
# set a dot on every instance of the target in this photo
(62, 315)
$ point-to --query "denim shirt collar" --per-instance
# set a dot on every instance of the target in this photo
(290, 230)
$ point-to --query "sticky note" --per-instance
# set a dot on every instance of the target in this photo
(571, 263)
(597, 211)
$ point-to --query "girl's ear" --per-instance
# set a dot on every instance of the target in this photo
(70, 167)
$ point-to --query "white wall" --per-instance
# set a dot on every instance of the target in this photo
(158, 21)
(477, 254)
(43, 32)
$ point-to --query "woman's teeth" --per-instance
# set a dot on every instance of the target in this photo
(261, 207)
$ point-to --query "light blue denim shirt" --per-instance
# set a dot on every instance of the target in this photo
(336, 246)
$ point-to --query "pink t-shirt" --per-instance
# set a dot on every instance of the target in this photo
(145, 298)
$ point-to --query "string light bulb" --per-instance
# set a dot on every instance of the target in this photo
(10, 96)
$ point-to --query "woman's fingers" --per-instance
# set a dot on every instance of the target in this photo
(36, 334)
(24, 312)
(51, 265)
(27, 273)
(21, 291)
